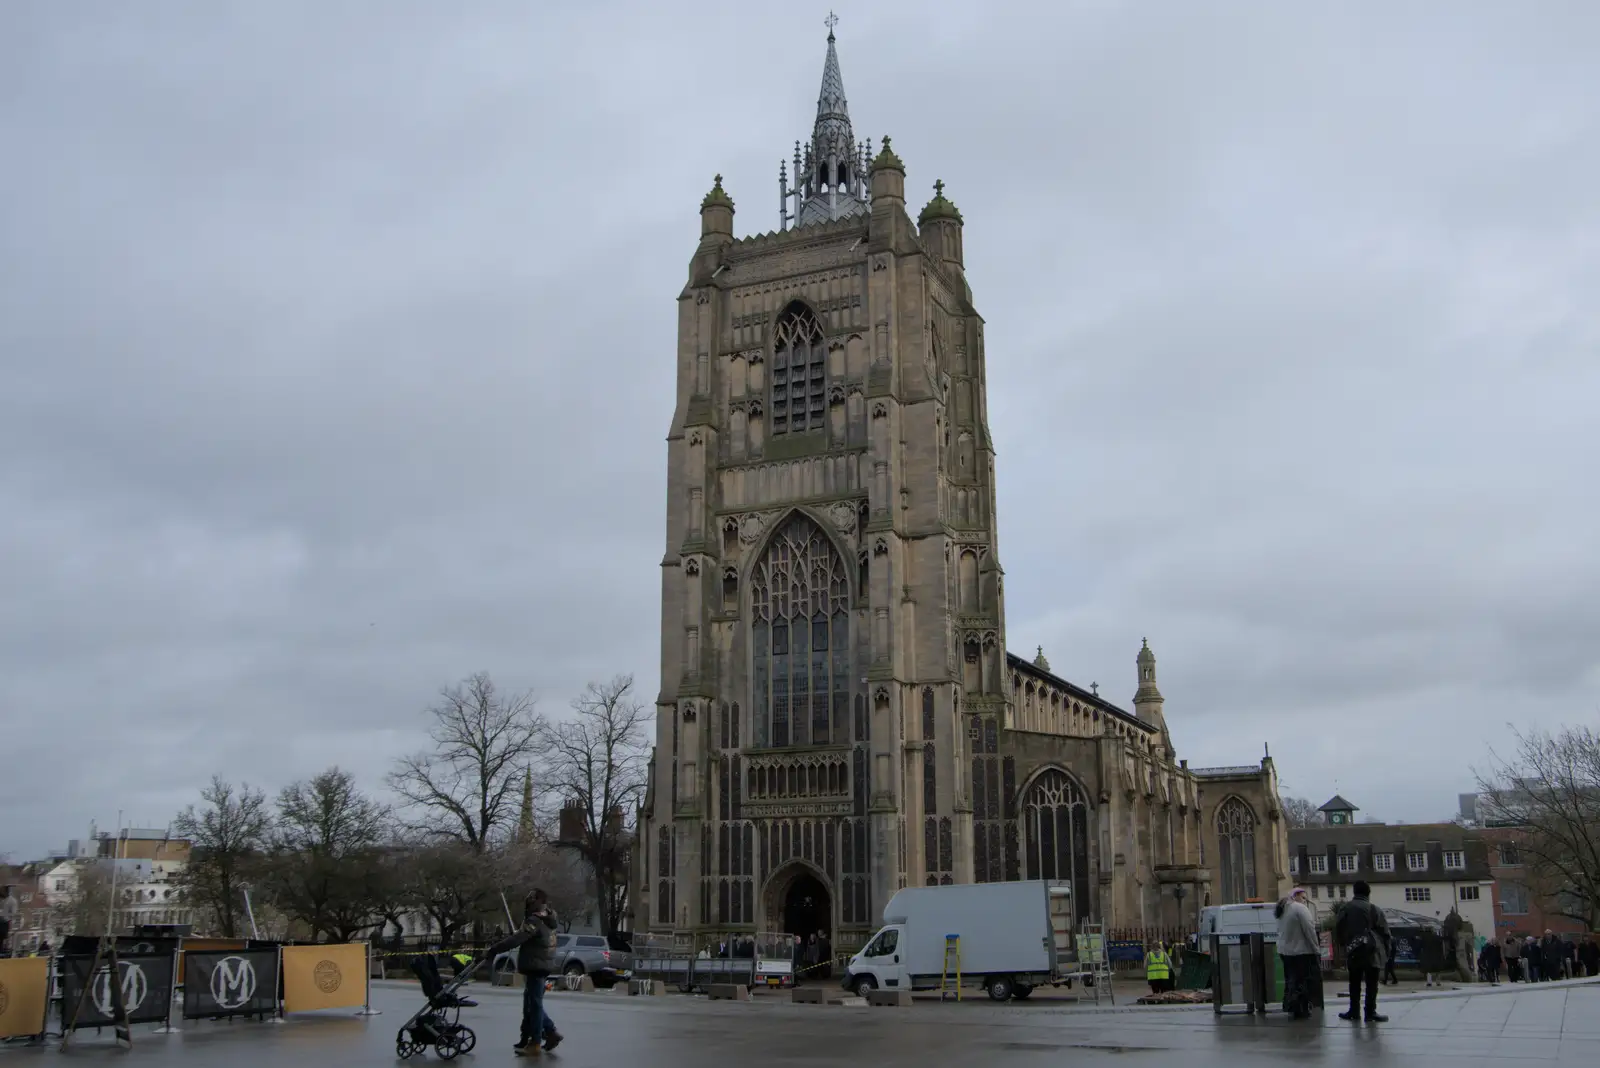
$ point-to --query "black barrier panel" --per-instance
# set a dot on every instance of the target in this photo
(219, 982)
(127, 946)
(146, 981)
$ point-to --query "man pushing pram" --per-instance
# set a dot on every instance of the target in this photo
(533, 944)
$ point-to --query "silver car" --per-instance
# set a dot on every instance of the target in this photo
(582, 954)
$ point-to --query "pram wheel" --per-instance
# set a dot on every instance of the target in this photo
(404, 1047)
(466, 1039)
(448, 1046)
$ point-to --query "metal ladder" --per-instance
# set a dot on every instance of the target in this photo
(950, 980)
(1092, 943)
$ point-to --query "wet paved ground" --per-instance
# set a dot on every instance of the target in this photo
(1540, 1025)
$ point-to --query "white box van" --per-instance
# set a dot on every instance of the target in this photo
(1007, 943)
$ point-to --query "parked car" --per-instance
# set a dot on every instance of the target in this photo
(593, 955)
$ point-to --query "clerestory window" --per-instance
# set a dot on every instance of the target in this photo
(799, 372)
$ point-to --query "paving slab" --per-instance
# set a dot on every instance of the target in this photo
(1542, 1025)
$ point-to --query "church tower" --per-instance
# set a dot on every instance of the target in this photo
(831, 593)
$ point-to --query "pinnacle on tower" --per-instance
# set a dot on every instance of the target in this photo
(886, 159)
(718, 197)
(1040, 662)
(939, 207)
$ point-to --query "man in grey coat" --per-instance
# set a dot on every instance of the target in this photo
(533, 943)
(1301, 952)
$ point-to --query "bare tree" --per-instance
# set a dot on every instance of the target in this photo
(525, 866)
(453, 885)
(1550, 789)
(1299, 813)
(467, 788)
(596, 762)
(324, 869)
(85, 909)
(227, 837)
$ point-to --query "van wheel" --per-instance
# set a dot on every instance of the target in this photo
(1022, 991)
(575, 968)
(1000, 988)
(865, 985)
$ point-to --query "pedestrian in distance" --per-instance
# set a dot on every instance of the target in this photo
(1430, 955)
(1364, 933)
(1589, 955)
(1300, 951)
(534, 943)
(1551, 956)
(8, 919)
(1489, 963)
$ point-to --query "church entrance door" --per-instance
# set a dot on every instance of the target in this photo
(807, 909)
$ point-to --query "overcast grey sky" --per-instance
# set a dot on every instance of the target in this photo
(337, 341)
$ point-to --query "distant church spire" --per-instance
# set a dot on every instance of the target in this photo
(525, 823)
(830, 181)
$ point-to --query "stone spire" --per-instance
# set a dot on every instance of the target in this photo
(830, 180)
(525, 821)
(1147, 700)
(1040, 662)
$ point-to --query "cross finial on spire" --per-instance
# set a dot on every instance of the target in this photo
(938, 188)
(831, 21)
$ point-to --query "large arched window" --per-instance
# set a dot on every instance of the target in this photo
(799, 372)
(1236, 842)
(800, 639)
(1055, 829)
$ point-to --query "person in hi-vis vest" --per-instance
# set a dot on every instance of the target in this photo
(1158, 968)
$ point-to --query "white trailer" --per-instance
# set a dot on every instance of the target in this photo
(1007, 942)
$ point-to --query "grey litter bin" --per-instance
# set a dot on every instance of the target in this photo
(1239, 973)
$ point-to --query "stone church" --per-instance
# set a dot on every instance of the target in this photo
(839, 716)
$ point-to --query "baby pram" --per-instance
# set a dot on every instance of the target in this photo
(438, 1023)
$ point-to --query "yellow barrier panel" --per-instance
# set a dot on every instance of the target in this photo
(324, 977)
(24, 993)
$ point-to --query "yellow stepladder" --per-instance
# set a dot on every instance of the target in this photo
(950, 981)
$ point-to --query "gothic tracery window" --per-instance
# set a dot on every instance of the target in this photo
(1055, 828)
(1236, 841)
(799, 372)
(800, 639)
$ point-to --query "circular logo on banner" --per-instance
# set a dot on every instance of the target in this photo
(328, 976)
(134, 989)
(5, 999)
(233, 983)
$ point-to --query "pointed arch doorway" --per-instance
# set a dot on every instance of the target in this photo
(799, 902)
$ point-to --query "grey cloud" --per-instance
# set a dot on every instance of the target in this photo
(336, 357)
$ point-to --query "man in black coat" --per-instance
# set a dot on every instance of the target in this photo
(1551, 956)
(1364, 933)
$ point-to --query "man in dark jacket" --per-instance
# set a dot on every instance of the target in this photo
(1364, 933)
(1551, 956)
(533, 943)
(1589, 956)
